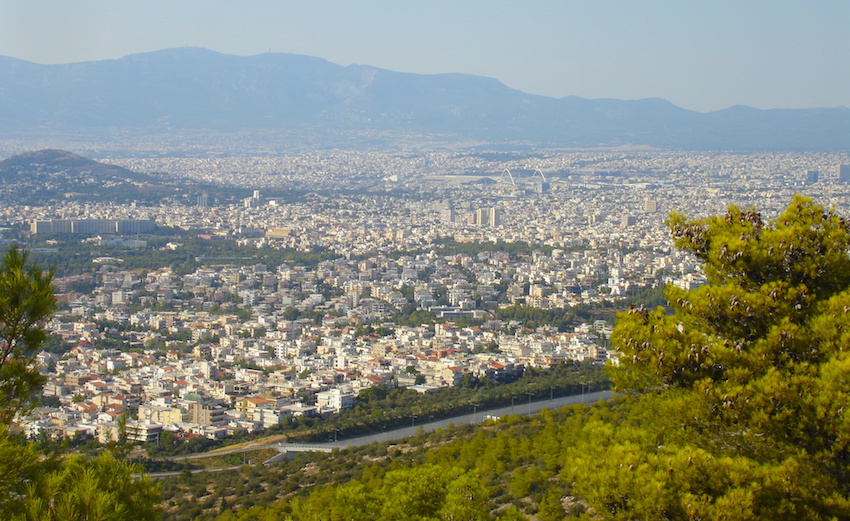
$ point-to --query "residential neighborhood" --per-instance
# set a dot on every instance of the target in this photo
(229, 345)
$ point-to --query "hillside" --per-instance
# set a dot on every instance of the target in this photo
(44, 175)
(47, 164)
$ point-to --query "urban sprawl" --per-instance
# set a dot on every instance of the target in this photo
(236, 347)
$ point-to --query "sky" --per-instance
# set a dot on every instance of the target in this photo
(700, 55)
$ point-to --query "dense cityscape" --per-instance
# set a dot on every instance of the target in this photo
(469, 261)
(414, 257)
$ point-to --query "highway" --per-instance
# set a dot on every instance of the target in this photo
(416, 423)
(520, 407)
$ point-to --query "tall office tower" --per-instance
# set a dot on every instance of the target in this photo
(628, 220)
(256, 194)
(482, 217)
(844, 174)
(812, 177)
(495, 216)
(650, 205)
(204, 200)
(541, 187)
(447, 212)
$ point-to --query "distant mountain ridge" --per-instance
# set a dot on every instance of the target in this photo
(196, 89)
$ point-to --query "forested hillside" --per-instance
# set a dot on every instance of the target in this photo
(732, 406)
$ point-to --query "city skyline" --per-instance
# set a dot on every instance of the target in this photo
(777, 55)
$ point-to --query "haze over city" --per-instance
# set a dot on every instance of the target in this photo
(699, 56)
(424, 261)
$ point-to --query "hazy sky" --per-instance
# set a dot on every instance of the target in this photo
(700, 55)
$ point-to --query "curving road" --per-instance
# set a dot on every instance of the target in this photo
(522, 408)
(417, 423)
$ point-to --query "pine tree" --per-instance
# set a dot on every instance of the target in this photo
(26, 303)
(736, 403)
(36, 486)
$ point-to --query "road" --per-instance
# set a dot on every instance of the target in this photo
(522, 408)
(417, 423)
(172, 473)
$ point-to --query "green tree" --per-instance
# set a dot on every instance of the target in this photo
(26, 302)
(103, 488)
(737, 403)
(466, 499)
(120, 446)
(35, 486)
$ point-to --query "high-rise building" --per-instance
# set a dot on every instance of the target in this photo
(540, 187)
(495, 216)
(844, 174)
(204, 200)
(451, 214)
(447, 212)
(486, 217)
(650, 205)
(812, 177)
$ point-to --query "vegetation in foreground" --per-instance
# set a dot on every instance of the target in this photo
(35, 485)
(733, 406)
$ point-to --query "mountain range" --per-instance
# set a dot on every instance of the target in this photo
(202, 91)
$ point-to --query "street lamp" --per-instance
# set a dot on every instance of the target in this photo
(474, 410)
(412, 420)
(529, 393)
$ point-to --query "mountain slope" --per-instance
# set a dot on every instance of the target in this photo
(67, 165)
(45, 176)
(196, 89)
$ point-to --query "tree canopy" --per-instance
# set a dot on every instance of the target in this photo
(26, 302)
(36, 486)
(737, 400)
(731, 403)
